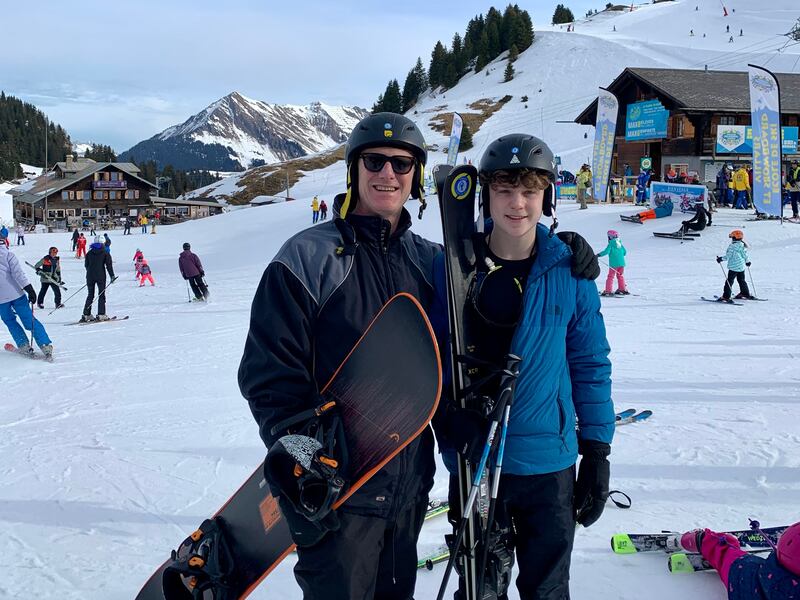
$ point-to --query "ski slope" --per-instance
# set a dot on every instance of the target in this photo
(118, 450)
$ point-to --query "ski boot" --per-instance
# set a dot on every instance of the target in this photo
(102, 318)
(86, 319)
(40, 306)
(622, 293)
(47, 350)
(25, 350)
(725, 300)
(689, 542)
(606, 294)
(741, 296)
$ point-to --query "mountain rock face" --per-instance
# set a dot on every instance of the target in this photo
(234, 131)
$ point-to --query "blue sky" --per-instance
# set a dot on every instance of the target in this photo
(118, 73)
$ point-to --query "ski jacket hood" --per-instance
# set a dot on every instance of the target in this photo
(12, 277)
(565, 370)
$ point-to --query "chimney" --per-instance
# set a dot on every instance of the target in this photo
(69, 161)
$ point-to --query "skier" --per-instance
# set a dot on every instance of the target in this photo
(127, 230)
(107, 243)
(314, 210)
(641, 186)
(723, 185)
(75, 236)
(701, 218)
(97, 263)
(793, 185)
(138, 257)
(192, 270)
(20, 231)
(741, 185)
(143, 222)
(13, 303)
(616, 265)
(584, 181)
(49, 271)
(747, 576)
(523, 274)
(738, 259)
(323, 210)
(81, 243)
(145, 273)
(664, 209)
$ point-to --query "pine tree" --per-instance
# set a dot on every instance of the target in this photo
(378, 106)
(493, 23)
(393, 98)
(562, 15)
(438, 65)
(483, 51)
(459, 60)
(513, 54)
(509, 72)
(526, 34)
(466, 138)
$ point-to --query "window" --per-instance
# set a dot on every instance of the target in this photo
(101, 195)
(67, 195)
(70, 212)
(183, 210)
(727, 120)
(88, 212)
(112, 195)
(679, 124)
(87, 195)
(129, 194)
(57, 213)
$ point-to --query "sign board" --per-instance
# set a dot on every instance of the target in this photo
(738, 139)
(646, 120)
(645, 163)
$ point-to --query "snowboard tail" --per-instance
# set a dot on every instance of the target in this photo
(384, 404)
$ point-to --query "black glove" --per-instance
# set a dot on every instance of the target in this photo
(591, 489)
(114, 278)
(719, 259)
(747, 264)
(584, 261)
(466, 430)
(28, 289)
(202, 274)
(306, 533)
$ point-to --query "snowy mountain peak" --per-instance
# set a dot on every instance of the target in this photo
(235, 130)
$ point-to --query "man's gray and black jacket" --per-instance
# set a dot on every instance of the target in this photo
(315, 300)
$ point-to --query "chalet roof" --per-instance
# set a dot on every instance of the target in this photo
(33, 191)
(179, 202)
(693, 90)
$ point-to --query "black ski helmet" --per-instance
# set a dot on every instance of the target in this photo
(519, 151)
(384, 129)
(186, 245)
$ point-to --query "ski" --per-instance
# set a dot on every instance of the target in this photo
(456, 191)
(629, 219)
(31, 355)
(753, 299)
(672, 236)
(721, 301)
(632, 543)
(94, 321)
(682, 562)
(635, 418)
(46, 276)
(441, 554)
(624, 414)
(436, 507)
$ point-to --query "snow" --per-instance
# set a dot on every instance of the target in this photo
(118, 450)
(6, 205)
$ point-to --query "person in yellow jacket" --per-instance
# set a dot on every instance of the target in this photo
(584, 182)
(741, 184)
(314, 210)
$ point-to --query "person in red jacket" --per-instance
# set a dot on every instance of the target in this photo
(81, 243)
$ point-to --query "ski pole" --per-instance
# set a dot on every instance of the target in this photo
(33, 322)
(756, 526)
(751, 281)
(727, 283)
(188, 293)
(67, 300)
(499, 411)
(507, 385)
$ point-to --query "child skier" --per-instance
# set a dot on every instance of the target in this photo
(145, 273)
(81, 243)
(616, 265)
(738, 259)
(525, 299)
(49, 271)
(746, 576)
(138, 257)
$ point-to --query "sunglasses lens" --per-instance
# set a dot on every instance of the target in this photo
(375, 162)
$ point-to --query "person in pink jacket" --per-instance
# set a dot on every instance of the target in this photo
(138, 257)
(145, 274)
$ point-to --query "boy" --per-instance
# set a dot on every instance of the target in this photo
(526, 300)
(49, 271)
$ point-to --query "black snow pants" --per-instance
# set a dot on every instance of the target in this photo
(368, 558)
(735, 276)
(43, 292)
(537, 512)
(101, 298)
(198, 287)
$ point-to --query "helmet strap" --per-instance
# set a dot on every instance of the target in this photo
(349, 195)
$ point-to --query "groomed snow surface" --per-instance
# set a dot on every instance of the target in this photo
(118, 450)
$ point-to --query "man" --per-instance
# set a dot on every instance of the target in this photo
(75, 236)
(741, 185)
(315, 300)
(127, 230)
(527, 301)
(584, 181)
(192, 270)
(16, 298)
(701, 218)
(793, 183)
(97, 263)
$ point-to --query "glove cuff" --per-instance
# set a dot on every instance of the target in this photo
(594, 449)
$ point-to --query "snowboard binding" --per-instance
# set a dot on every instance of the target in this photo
(202, 566)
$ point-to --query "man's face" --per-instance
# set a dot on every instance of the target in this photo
(515, 209)
(383, 193)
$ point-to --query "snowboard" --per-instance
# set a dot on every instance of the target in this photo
(385, 400)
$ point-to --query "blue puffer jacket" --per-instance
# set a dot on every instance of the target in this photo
(736, 256)
(565, 369)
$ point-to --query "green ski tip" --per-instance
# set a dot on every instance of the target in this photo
(679, 563)
(622, 544)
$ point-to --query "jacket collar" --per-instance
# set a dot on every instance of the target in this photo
(375, 230)
(549, 252)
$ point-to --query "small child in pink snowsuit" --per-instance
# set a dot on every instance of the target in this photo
(145, 274)
(137, 262)
(616, 265)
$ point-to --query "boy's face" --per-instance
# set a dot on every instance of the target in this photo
(515, 209)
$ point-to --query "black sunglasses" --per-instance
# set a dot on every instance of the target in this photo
(400, 164)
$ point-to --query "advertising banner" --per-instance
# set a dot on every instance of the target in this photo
(683, 196)
(738, 139)
(765, 110)
(646, 120)
(455, 140)
(604, 133)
